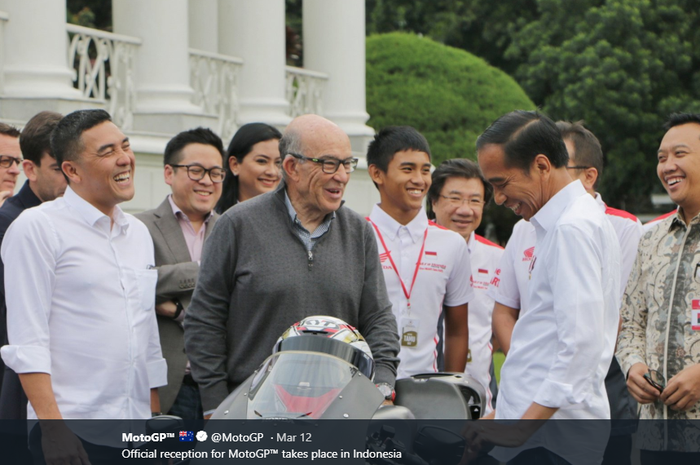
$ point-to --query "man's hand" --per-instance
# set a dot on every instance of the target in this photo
(167, 309)
(60, 445)
(683, 390)
(639, 388)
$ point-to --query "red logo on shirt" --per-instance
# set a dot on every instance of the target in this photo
(481, 270)
(495, 281)
(383, 256)
(528, 254)
(431, 253)
(498, 272)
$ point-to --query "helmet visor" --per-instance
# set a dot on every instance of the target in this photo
(294, 384)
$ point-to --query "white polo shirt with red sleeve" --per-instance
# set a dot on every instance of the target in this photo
(485, 257)
(440, 278)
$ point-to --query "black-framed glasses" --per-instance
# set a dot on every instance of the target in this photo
(330, 165)
(459, 201)
(656, 379)
(197, 172)
(7, 160)
(577, 167)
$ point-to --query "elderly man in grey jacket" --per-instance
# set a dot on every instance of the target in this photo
(285, 255)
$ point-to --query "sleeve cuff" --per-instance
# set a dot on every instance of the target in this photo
(157, 373)
(383, 374)
(628, 362)
(213, 395)
(554, 394)
(27, 359)
(501, 299)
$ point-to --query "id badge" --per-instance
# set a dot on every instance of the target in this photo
(409, 332)
(695, 315)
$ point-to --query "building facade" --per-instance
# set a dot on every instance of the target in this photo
(172, 65)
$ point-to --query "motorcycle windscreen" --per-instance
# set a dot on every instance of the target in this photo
(297, 385)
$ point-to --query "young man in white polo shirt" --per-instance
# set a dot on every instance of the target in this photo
(424, 265)
(457, 197)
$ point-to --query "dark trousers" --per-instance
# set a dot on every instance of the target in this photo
(537, 456)
(662, 457)
(618, 451)
(98, 454)
(188, 403)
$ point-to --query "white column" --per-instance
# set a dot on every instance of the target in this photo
(162, 64)
(334, 43)
(255, 32)
(36, 48)
(204, 31)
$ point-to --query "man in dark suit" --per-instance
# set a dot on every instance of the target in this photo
(45, 181)
(194, 170)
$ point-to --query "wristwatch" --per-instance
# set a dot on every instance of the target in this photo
(179, 307)
(387, 391)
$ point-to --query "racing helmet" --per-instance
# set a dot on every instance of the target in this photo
(329, 335)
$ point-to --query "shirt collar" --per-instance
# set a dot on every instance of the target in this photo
(293, 213)
(599, 201)
(470, 241)
(551, 211)
(91, 215)
(179, 213)
(678, 221)
(389, 226)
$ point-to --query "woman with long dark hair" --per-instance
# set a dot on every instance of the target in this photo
(253, 165)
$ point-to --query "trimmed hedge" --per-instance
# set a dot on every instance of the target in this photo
(448, 94)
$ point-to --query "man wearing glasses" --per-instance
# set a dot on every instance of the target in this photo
(279, 257)
(659, 345)
(179, 226)
(10, 159)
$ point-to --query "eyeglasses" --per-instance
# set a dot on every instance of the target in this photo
(459, 201)
(330, 165)
(6, 161)
(656, 379)
(577, 167)
(197, 172)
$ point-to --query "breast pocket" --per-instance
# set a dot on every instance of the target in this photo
(146, 284)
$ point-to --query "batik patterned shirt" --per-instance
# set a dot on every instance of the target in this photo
(657, 309)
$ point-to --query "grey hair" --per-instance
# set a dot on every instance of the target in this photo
(290, 143)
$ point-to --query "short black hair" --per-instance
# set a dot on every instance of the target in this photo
(586, 145)
(677, 119)
(524, 135)
(200, 135)
(9, 130)
(66, 138)
(391, 140)
(35, 138)
(455, 168)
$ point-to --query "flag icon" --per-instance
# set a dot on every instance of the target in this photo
(186, 436)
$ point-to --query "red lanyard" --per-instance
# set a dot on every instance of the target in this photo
(407, 293)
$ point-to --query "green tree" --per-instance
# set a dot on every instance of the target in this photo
(620, 65)
(448, 94)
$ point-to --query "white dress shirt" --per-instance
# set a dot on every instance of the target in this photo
(563, 343)
(442, 278)
(484, 256)
(80, 307)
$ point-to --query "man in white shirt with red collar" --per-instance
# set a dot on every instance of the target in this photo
(425, 265)
(81, 297)
(562, 346)
(457, 197)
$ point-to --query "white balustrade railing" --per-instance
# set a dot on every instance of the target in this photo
(214, 79)
(104, 69)
(304, 91)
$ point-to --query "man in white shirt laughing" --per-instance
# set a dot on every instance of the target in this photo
(562, 346)
(81, 296)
